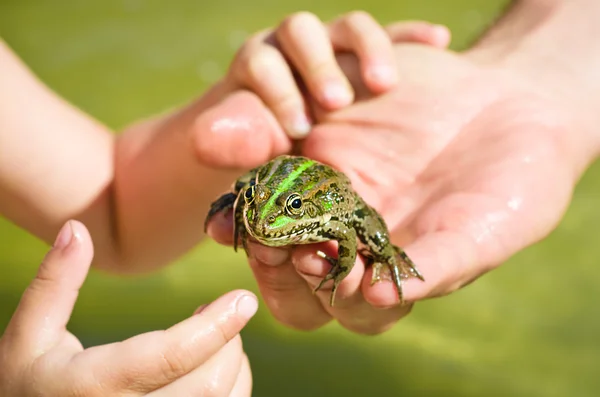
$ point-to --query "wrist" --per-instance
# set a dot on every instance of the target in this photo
(552, 46)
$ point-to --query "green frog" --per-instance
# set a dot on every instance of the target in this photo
(296, 200)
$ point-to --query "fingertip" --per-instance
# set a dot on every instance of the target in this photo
(440, 36)
(71, 247)
(380, 76)
(244, 131)
(270, 256)
(234, 304)
(299, 126)
(220, 227)
(247, 305)
(382, 294)
(335, 95)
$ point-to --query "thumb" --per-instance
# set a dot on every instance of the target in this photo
(46, 306)
(239, 132)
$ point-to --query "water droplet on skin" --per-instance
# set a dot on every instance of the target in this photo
(227, 124)
(514, 203)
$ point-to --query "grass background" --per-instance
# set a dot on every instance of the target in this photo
(530, 328)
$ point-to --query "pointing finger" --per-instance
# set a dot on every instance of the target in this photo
(46, 306)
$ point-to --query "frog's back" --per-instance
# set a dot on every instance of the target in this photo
(296, 173)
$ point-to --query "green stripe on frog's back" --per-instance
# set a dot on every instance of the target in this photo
(286, 182)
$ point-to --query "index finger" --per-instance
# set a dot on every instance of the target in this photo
(45, 308)
(149, 361)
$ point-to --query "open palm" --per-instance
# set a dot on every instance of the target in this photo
(467, 165)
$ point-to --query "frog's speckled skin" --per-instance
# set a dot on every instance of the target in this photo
(295, 200)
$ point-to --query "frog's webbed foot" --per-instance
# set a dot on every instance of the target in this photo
(381, 271)
(406, 265)
(401, 267)
(223, 203)
(336, 273)
(341, 266)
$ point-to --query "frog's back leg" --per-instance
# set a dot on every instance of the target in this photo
(373, 232)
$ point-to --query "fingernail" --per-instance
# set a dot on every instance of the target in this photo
(300, 127)
(64, 237)
(337, 94)
(247, 306)
(381, 74)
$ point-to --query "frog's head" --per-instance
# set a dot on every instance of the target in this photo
(280, 218)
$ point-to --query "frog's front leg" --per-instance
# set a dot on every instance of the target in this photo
(239, 230)
(341, 267)
(223, 203)
(228, 200)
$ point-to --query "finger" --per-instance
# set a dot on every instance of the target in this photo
(244, 131)
(284, 291)
(149, 361)
(216, 377)
(220, 228)
(41, 318)
(419, 32)
(305, 41)
(351, 309)
(243, 384)
(446, 261)
(360, 33)
(261, 68)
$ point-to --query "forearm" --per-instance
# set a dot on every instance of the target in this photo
(55, 162)
(142, 195)
(553, 45)
(162, 192)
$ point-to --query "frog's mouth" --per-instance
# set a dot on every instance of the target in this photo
(297, 234)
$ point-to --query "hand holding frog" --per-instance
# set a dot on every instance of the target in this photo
(38, 356)
(470, 158)
(281, 65)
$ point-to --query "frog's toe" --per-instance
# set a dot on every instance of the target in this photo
(336, 274)
(380, 273)
(224, 202)
(332, 261)
(406, 266)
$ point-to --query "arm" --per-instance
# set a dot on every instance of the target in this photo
(553, 44)
(56, 163)
(144, 193)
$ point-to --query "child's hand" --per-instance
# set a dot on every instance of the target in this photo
(302, 46)
(38, 356)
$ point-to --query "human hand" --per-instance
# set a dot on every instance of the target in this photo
(280, 64)
(38, 356)
(467, 167)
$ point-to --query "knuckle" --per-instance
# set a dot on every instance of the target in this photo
(257, 64)
(297, 22)
(358, 18)
(174, 363)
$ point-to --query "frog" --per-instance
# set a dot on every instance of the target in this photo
(294, 200)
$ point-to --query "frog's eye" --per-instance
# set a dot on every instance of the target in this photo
(249, 194)
(294, 204)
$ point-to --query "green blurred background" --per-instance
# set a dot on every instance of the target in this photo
(530, 328)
